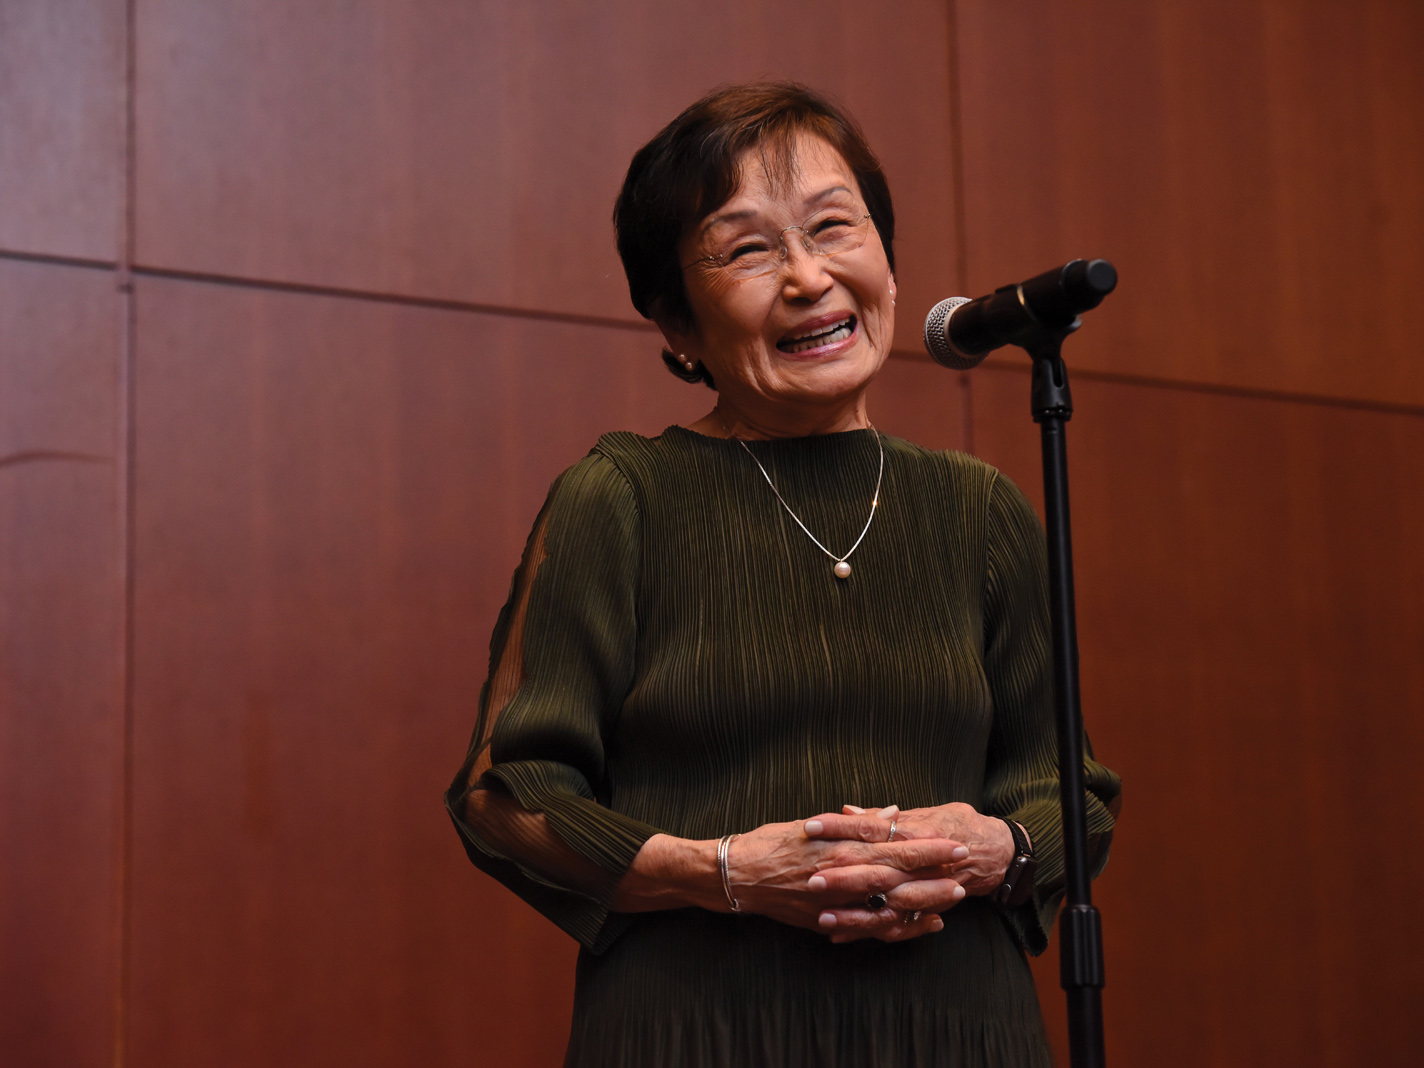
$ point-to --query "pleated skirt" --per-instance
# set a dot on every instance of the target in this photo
(692, 989)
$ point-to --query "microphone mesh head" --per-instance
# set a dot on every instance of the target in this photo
(937, 336)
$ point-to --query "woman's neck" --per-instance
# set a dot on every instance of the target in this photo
(727, 420)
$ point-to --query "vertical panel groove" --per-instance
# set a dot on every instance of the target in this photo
(956, 143)
(961, 247)
(123, 277)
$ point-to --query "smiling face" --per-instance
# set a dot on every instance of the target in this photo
(792, 350)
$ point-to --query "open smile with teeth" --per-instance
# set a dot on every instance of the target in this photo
(824, 335)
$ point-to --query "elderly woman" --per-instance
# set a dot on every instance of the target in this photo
(768, 722)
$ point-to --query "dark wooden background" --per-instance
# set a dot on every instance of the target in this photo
(302, 305)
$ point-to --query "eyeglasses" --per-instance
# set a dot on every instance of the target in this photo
(827, 233)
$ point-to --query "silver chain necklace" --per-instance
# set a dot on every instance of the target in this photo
(842, 569)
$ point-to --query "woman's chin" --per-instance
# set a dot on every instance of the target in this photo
(827, 382)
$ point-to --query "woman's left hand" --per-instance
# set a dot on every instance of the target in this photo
(990, 845)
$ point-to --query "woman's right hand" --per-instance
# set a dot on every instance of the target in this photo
(818, 873)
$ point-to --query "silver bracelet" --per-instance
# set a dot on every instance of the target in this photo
(722, 848)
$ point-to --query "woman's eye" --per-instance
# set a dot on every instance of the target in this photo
(830, 223)
(746, 248)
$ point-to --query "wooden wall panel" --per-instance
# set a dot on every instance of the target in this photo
(61, 658)
(1250, 618)
(332, 492)
(1253, 169)
(332, 495)
(472, 151)
(61, 127)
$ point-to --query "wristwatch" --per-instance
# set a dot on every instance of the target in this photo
(1017, 886)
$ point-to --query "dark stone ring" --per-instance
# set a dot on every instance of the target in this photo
(875, 902)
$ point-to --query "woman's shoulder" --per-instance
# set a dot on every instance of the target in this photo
(620, 461)
(942, 463)
(951, 459)
(590, 503)
(614, 464)
(593, 482)
(976, 483)
(644, 460)
(618, 445)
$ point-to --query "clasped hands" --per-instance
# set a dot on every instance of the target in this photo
(818, 873)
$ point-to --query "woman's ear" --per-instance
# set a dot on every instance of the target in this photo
(686, 362)
(675, 344)
(679, 343)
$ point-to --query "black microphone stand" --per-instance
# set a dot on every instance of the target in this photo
(1080, 940)
(1037, 315)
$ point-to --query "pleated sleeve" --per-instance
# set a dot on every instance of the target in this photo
(561, 663)
(1022, 769)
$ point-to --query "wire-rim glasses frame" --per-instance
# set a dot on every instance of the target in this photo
(816, 239)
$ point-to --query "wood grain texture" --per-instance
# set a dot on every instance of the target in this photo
(61, 663)
(332, 496)
(61, 127)
(1248, 577)
(1253, 170)
(472, 151)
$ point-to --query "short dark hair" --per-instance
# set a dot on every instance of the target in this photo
(692, 167)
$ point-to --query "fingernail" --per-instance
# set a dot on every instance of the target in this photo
(856, 809)
(959, 853)
(958, 893)
(886, 813)
(814, 827)
(827, 919)
(816, 882)
(937, 924)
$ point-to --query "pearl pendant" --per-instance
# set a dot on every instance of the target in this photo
(842, 569)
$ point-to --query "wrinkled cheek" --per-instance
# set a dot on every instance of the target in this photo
(887, 325)
(880, 328)
(715, 284)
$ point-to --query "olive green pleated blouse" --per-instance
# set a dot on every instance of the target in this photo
(677, 656)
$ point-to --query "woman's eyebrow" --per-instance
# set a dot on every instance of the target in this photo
(751, 213)
(826, 194)
(729, 217)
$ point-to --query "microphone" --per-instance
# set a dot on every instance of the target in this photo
(960, 332)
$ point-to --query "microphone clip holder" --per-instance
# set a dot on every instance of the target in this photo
(1051, 398)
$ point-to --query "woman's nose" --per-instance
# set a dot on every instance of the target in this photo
(803, 272)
